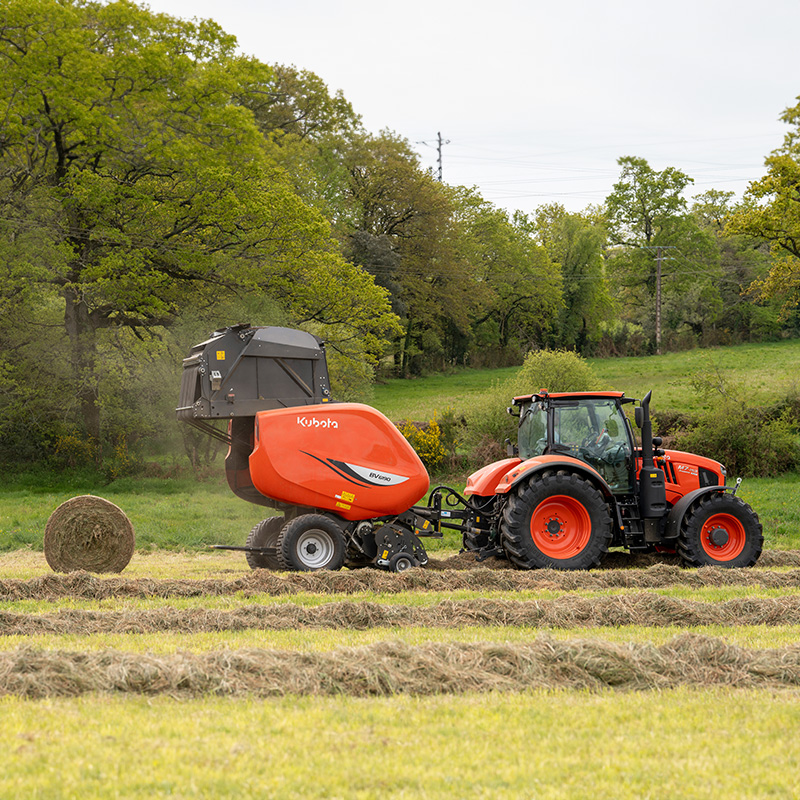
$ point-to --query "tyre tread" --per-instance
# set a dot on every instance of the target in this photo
(691, 551)
(515, 527)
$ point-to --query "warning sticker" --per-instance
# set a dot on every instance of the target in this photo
(220, 355)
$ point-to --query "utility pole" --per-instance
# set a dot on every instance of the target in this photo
(439, 151)
(658, 301)
(439, 143)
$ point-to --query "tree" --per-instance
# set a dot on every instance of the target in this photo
(743, 261)
(297, 103)
(771, 213)
(134, 183)
(644, 202)
(519, 287)
(651, 228)
(576, 242)
(399, 227)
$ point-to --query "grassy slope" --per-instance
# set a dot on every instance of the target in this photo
(762, 369)
(186, 513)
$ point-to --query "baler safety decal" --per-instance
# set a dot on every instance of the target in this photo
(361, 476)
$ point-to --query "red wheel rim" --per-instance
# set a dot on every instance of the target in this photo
(561, 526)
(723, 537)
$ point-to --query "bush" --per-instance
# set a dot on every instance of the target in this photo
(427, 442)
(751, 441)
(553, 370)
(745, 439)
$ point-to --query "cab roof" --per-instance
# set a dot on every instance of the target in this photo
(540, 395)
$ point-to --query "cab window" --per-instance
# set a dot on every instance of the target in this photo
(532, 433)
(595, 432)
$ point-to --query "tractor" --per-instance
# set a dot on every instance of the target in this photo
(347, 484)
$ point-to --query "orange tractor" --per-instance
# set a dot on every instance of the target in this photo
(347, 482)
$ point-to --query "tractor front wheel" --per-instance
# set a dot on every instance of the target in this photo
(311, 542)
(556, 521)
(720, 530)
(265, 534)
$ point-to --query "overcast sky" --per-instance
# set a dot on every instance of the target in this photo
(536, 99)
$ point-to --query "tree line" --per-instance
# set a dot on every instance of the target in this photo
(156, 184)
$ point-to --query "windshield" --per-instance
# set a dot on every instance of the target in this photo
(532, 433)
(592, 430)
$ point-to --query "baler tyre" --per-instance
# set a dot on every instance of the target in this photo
(400, 562)
(559, 521)
(720, 530)
(265, 534)
(311, 542)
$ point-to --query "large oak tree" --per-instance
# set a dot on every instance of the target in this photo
(135, 183)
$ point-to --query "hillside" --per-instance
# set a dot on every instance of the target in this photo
(764, 371)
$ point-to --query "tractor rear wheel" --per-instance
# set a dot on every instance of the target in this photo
(720, 530)
(556, 521)
(265, 534)
(311, 542)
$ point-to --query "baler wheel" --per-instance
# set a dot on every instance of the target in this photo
(400, 562)
(721, 530)
(265, 534)
(311, 542)
(557, 521)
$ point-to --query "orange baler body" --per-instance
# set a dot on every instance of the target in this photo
(347, 458)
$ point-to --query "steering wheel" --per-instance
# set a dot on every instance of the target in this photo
(595, 445)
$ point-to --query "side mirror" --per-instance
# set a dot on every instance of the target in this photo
(638, 416)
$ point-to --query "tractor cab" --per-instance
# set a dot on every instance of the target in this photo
(591, 427)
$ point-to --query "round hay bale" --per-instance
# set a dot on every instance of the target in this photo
(88, 533)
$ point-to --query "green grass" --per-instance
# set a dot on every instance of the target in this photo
(325, 639)
(190, 514)
(683, 743)
(170, 514)
(674, 744)
(187, 513)
(420, 398)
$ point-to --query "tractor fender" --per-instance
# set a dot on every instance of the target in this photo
(678, 511)
(484, 481)
(536, 464)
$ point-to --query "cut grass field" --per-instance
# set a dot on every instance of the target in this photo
(375, 709)
(191, 676)
(689, 744)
